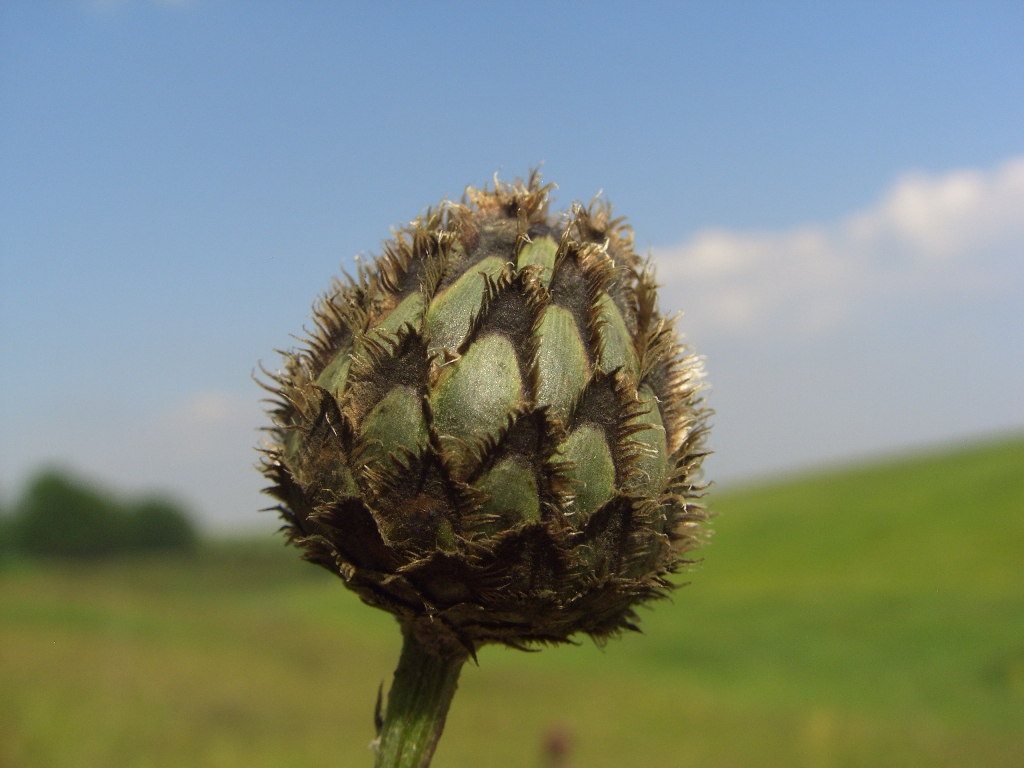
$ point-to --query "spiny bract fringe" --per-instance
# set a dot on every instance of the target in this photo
(492, 432)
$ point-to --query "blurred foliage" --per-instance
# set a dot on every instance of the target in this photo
(59, 515)
(158, 523)
(5, 532)
(871, 617)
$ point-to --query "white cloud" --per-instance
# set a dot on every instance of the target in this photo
(927, 238)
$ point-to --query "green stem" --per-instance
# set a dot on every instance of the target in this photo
(418, 702)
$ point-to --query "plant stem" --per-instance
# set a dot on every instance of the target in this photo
(418, 702)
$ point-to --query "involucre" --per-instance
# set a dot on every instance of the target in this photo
(493, 433)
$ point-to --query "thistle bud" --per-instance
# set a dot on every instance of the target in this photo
(492, 432)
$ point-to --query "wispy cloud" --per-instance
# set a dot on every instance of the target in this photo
(110, 5)
(204, 425)
(928, 238)
(200, 448)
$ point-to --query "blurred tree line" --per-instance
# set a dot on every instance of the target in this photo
(59, 515)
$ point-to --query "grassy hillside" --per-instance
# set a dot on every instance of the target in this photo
(869, 617)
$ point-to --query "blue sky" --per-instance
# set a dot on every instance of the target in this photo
(834, 195)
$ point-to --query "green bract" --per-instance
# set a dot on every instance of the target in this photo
(493, 433)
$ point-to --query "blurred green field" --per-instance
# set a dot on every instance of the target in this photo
(866, 617)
